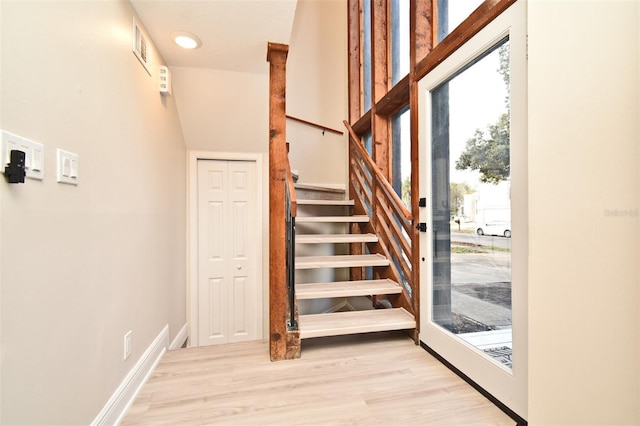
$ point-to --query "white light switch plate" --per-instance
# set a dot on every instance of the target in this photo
(67, 165)
(34, 154)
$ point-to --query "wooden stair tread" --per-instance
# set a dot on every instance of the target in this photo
(329, 219)
(341, 261)
(311, 202)
(341, 323)
(335, 238)
(347, 289)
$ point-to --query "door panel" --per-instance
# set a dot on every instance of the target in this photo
(229, 289)
(240, 314)
(215, 329)
(465, 278)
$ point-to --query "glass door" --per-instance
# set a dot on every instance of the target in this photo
(471, 204)
(473, 146)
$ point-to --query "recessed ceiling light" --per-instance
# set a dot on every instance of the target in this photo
(186, 40)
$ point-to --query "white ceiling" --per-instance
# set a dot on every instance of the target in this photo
(234, 33)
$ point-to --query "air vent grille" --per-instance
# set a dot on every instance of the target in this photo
(140, 45)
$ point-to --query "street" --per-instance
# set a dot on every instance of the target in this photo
(481, 240)
(481, 285)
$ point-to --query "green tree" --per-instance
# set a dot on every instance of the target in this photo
(489, 151)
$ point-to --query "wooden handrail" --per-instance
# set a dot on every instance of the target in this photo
(384, 205)
(318, 126)
(391, 193)
(375, 196)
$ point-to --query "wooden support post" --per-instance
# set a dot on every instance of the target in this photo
(277, 58)
(421, 43)
(422, 33)
(380, 81)
(355, 54)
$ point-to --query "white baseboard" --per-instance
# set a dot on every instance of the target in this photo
(180, 338)
(114, 410)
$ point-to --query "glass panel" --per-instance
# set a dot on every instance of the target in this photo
(399, 40)
(471, 204)
(366, 54)
(401, 155)
(368, 143)
(452, 13)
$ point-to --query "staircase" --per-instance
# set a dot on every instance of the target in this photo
(322, 226)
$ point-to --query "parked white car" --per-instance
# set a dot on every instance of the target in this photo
(496, 227)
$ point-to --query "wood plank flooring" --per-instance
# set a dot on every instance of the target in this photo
(373, 379)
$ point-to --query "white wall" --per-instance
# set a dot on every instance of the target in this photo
(83, 265)
(584, 201)
(228, 112)
(223, 110)
(317, 91)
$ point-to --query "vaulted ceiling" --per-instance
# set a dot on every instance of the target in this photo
(234, 33)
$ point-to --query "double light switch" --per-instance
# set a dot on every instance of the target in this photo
(67, 167)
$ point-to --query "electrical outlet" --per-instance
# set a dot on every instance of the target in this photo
(127, 344)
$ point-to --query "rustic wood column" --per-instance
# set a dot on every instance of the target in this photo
(380, 134)
(421, 41)
(278, 300)
(355, 59)
(354, 12)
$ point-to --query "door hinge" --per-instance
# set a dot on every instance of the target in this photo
(422, 227)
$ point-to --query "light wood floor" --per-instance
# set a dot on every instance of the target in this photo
(349, 380)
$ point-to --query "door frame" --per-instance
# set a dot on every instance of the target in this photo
(192, 233)
(509, 386)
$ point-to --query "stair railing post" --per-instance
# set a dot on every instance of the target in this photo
(292, 322)
(283, 344)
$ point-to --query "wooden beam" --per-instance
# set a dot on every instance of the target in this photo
(379, 49)
(480, 18)
(380, 126)
(422, 24)
(363, 125)
(395, 99)
(421, 42)
(277, 57)
(354, 11)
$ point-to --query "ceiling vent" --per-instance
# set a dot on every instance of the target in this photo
(141, 45)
